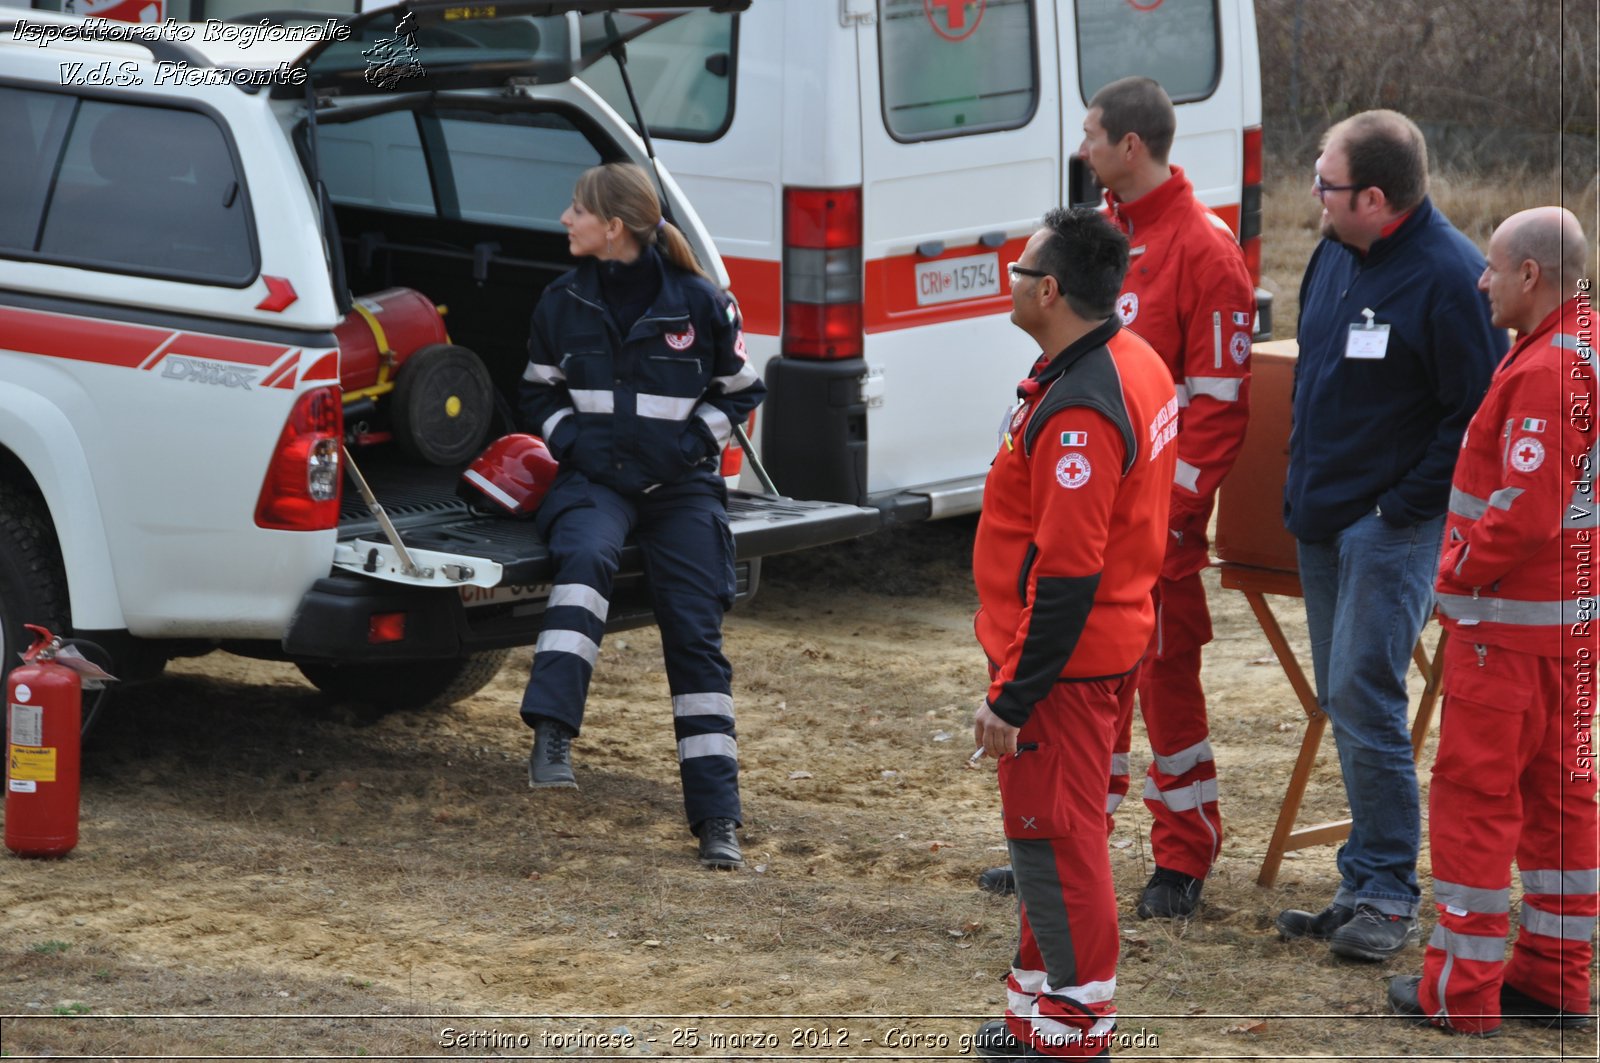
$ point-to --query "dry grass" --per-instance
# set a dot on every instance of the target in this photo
(252, 858)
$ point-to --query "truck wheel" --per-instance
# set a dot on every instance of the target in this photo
(33, 589)
(407, 684)
(442, 405)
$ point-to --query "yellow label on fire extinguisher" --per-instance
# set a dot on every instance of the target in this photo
(33, 763)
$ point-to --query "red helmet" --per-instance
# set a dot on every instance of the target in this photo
(513, 474)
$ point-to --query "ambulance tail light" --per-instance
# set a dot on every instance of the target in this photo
(1250, 204)
(822, 275)
(301, 489)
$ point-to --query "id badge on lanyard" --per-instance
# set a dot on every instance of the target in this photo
(1367, 341)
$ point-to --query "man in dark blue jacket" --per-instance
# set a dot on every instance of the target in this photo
(1396, 350)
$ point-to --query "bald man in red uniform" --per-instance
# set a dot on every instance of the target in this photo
(1514, 777)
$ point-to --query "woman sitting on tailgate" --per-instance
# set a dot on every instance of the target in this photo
(636, 375)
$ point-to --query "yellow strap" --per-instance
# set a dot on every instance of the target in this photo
(385, 356)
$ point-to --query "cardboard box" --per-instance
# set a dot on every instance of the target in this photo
(1250, 504)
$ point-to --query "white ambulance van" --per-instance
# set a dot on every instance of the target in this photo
(868, 167)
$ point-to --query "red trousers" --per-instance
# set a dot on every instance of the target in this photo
(1180, 786)
(1514, 778)
(1052, 795)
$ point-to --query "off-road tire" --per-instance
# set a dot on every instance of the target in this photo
(406, 684)
(33, 587)
(433, 382)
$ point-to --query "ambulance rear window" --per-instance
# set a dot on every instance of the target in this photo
(950, 68)
(1174, 42)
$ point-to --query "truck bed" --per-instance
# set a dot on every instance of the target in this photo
(421, 502)
(334, 620)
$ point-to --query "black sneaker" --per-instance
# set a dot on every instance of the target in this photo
(1373, 935)
(999, 881)
(1293, 923)
(1404, 1002)
(994, 1039)
(1515, 1004)
(550, 763)
(1170, 895)
(719, 845)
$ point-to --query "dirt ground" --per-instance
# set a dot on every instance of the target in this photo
(263, 873)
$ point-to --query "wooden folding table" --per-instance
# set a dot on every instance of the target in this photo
(1255, 584)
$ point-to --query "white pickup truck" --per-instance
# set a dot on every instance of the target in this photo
(183, 228)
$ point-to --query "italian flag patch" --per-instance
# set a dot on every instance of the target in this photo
(1074, 439)
(1532, 424)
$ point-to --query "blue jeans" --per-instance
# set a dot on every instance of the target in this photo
(1368, 592)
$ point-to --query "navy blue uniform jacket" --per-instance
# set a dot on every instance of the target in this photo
(1385, 432)
(654, 407)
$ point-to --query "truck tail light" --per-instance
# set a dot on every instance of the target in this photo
(822, 276)
(386, 627)
(1250, 204)
(301, 489)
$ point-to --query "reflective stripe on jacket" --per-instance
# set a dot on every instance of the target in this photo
(654, 407)
(1189, 295)
(1517, 568)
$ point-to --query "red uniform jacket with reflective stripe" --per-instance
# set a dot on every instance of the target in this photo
(1518, 562)
(1074, 521)
(1189, 294)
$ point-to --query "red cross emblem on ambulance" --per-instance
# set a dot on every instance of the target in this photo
(954, 20)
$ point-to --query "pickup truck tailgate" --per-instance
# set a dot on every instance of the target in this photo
(335, 620)
(422, 504)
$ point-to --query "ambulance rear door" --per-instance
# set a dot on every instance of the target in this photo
(961, 156)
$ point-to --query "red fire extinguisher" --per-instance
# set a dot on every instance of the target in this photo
(44, 709)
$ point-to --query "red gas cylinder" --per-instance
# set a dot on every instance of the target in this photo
(409, 321)
(44, 713)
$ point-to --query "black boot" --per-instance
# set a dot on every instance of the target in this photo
(1170, 895)
(994, 1040)
(1294, 923)
(719, 845)
(1515, 1004)
(550, 763)
(999, 881)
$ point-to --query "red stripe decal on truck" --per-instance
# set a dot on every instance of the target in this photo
(77, 338)
(118, 343)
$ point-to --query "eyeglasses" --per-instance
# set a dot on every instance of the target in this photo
(1321, 188)
(1023, 271)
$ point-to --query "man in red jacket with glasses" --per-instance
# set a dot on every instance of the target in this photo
(1069, 543)
(1189, 295)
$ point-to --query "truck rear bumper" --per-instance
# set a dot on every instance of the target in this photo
(350, 617)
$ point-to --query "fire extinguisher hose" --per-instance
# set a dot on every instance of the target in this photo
(98, 654)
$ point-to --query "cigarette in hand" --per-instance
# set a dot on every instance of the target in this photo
(977, 755)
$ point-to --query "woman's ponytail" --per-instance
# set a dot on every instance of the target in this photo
(675, 246)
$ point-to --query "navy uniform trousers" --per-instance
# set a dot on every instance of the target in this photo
(682, 530)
